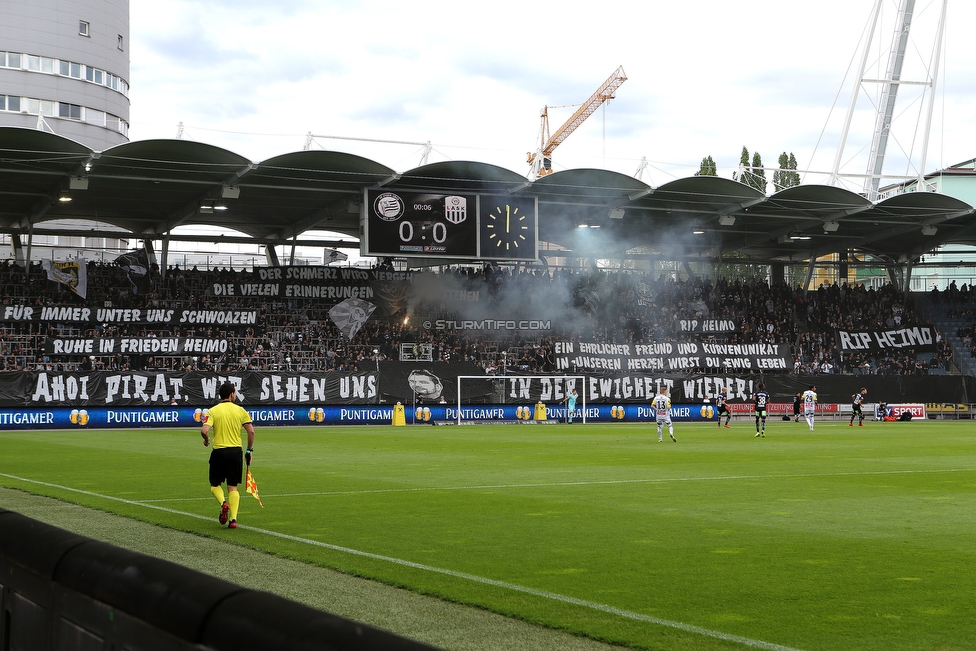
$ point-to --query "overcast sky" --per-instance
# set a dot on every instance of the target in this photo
(704, 78)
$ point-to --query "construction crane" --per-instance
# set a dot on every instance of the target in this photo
(540, 161)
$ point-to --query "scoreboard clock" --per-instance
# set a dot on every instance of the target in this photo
(448, 225)
(509, 226)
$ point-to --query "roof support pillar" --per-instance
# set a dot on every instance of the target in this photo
(272, 256)
(30, 244)
(908, 279)
(150, 251)
(18, 248)
(809, 276)
(777, 273)
(164, 257)
(894, 276)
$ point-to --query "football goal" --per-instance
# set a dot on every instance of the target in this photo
(513, 398)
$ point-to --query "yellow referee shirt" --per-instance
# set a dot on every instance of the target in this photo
(226, 420)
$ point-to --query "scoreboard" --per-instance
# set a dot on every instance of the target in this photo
(449, 225)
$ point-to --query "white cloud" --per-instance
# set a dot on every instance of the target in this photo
(704, 78)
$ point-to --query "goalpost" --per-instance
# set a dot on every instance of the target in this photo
(522, 390)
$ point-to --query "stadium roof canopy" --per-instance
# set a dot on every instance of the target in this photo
(145, 189)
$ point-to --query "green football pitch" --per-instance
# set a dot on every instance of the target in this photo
(839, 539)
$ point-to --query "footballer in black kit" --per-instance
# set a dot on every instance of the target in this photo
(722, 407)
(857, 402)
(760, 399)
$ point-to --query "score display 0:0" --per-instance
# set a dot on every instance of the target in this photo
(438, 231)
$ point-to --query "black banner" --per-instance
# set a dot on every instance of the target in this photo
(193, 388)
(706, 326)
(327, 283)
(156, 346)
(404, 382)
(114, 315)
(662, 357)
(696, 388)
(922, 339)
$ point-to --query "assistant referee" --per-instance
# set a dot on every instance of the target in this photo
(226, 420)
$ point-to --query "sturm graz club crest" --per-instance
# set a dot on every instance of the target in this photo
(388, 207)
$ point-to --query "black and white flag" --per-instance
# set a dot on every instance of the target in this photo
(350, 315)
(136, 266)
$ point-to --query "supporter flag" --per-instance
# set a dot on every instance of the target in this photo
(350, 315)
(251, 487)
(699, 307)
(332, 255)
(73, 273)
(136, 266)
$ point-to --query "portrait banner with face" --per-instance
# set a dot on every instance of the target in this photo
(432, 381)
(350, 315)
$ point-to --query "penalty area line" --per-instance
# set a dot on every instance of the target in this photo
(544, 594)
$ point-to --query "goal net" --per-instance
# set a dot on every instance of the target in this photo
(515, 398)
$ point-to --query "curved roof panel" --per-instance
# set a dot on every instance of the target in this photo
(459, 176)
(147, 188)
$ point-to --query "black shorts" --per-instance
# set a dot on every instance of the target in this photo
(856, 409)
(722, 409)
(226, 464)
(760, 413)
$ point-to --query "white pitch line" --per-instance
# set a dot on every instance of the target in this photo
(553, 596)
(607, 482)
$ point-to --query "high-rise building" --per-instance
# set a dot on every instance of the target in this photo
(64, 68)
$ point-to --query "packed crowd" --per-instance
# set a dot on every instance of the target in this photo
(960, 305)
(582, 304)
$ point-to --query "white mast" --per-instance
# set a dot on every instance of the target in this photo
(890, 84)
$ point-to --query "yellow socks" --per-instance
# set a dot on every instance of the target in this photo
(234, 499)
(218, 492)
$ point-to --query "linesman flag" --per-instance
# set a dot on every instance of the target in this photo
(251, 487)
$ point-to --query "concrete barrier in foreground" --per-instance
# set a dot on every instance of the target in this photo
(62, 591)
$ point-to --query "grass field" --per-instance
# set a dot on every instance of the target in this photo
(836, 540)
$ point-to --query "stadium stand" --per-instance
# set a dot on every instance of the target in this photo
(591, 305)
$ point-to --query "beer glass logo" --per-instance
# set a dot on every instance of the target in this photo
(707, 411)
(79, 417)
(423, 414)
(316, 414)
(200, 415)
